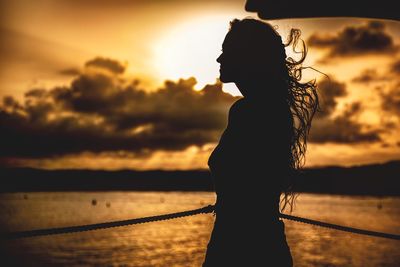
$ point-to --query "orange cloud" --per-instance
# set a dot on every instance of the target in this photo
(342, 128)
(100, 111)
(365, 39)
(103, 113)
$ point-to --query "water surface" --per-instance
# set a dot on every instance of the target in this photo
(182, 242)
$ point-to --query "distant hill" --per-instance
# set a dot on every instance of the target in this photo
(374, 179)
(28, 179)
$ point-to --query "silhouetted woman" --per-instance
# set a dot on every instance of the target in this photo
(261, 148)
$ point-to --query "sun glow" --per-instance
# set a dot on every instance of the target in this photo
(191, 50)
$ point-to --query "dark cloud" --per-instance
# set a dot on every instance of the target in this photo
(395, 67)
(342, 128)
(391, 100)
(10, 103)
(99, 112)
(70, 72)
(36, 93)
(372, 75)
(368, 76)
(385, 145)
(107, 64)
(328, 92)
(356, 40)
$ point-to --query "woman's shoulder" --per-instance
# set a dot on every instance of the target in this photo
(246, 108)
(238, 105)
(237, 110)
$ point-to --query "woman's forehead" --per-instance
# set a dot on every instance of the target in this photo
(232, 41)
(235, 40)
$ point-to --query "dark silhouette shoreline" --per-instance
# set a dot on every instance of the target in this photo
(374, 179)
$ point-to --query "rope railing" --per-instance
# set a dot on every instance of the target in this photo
(97, 226)
(206, 209)
(339, 227)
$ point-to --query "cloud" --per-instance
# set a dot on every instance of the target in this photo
(328, 92)
(107, 64)
(364, 39)
(70, 72)
(395, 67)
(370, 75)
(102, 112)
(342, 128)
(391, 100)
(11, 104)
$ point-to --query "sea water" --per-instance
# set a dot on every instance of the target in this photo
(183, 241)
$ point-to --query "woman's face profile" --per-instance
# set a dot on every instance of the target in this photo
(240, 60)
(231, 60)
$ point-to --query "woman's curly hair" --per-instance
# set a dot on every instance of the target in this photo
(303, 102)
(301, 97)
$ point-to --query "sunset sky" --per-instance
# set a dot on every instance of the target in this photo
(133, 84)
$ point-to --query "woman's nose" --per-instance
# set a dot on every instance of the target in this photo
(219, 58)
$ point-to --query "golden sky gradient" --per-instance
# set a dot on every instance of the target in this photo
(57, 44)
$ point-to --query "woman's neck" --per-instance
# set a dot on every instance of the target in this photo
(258, 90)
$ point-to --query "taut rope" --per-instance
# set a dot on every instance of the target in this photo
(339, 227)
(206, 209)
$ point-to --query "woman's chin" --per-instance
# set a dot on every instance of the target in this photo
(224, 79)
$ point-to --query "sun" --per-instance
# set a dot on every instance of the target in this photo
(190, 49)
